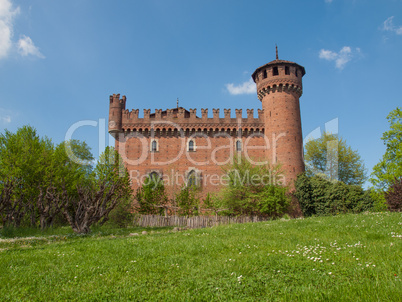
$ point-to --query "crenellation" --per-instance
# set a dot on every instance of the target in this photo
(147, 114)
(204, 113)
(158, 114)
(250, 114)
(227, 113)
(238, 113)
(193, 114)
(215, 113)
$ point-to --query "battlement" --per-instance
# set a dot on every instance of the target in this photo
(121, 119)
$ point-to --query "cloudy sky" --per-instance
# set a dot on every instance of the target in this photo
(60, 61)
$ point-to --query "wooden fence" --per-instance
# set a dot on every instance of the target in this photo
(192, 222)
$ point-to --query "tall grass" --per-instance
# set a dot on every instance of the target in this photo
(341, 258)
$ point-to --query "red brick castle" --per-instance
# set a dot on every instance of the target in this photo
(182, 147)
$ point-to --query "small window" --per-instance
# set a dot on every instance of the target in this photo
(154, 146)
(265, 74)
(192, 179)
(296, 72)
(238, 145)
(275, 71)
(287, 70)
(153, 176)
(191, 146)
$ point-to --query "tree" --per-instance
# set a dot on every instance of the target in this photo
(24, 161)
(152, 197)
(331, 157)
(254, 190)
(394, 196)
(108, 185)
(390, 166)
(319, 196)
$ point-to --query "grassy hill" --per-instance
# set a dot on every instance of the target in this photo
(341, 258)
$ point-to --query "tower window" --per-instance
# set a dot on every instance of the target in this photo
(296, 72)
(275, 71)
(191, 146)
(154, 146)
(265, 74)
(287, 71)
(238, 145)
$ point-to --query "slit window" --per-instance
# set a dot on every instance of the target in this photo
(265, 75)
(238, 145)
(275, 71)
(296, 72)
(154, 146)
(287, 70)
(192, 179)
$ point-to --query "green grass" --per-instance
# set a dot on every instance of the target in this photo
(341, 258)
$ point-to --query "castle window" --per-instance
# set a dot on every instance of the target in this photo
(287, 70)
(275, 71)
(238, 145)
(296, 72)
(191, 146)
(153, 176)
(192, 179)
(154, 146)
(265, 74)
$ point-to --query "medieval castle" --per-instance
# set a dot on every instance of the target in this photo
(181, 147)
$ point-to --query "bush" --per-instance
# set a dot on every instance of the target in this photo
(318, 196)
(187, 201)
(254, 190)
(394, 196)
(123, 215)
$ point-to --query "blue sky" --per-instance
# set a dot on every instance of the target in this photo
(60, 61)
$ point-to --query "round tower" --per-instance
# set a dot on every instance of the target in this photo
(279, 87)
(116, 107)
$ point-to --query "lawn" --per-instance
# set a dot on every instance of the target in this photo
(340, 258)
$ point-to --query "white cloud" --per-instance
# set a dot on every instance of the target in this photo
(27, 47)
(5, 116)
(388, 25)
(341, 58)
(7, 14)
(244, 88)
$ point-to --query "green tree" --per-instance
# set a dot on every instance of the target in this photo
(151, 196)
(390, 166)
(254, 190)
(331, 157)
(108, 185)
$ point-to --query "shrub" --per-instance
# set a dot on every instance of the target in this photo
(394, 196)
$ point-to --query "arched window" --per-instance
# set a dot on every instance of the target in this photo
(192, 179)
(191, 145)
(238, 145)
(154, 146)
(154, 176)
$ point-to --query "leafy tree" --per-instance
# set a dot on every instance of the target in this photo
(108, 185)
(331, 157)
(254, 190)
(152, 197)
(390, 166)
(319, 196)
(24, 161)
(187, 201)
(394, 196)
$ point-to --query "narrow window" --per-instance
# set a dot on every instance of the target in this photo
(154, 146)
(296, 72)
(265, 74)
(287, 71)
(154, 176)
(238, 145)
(191, 145)
(275, 71)
(192, 179)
